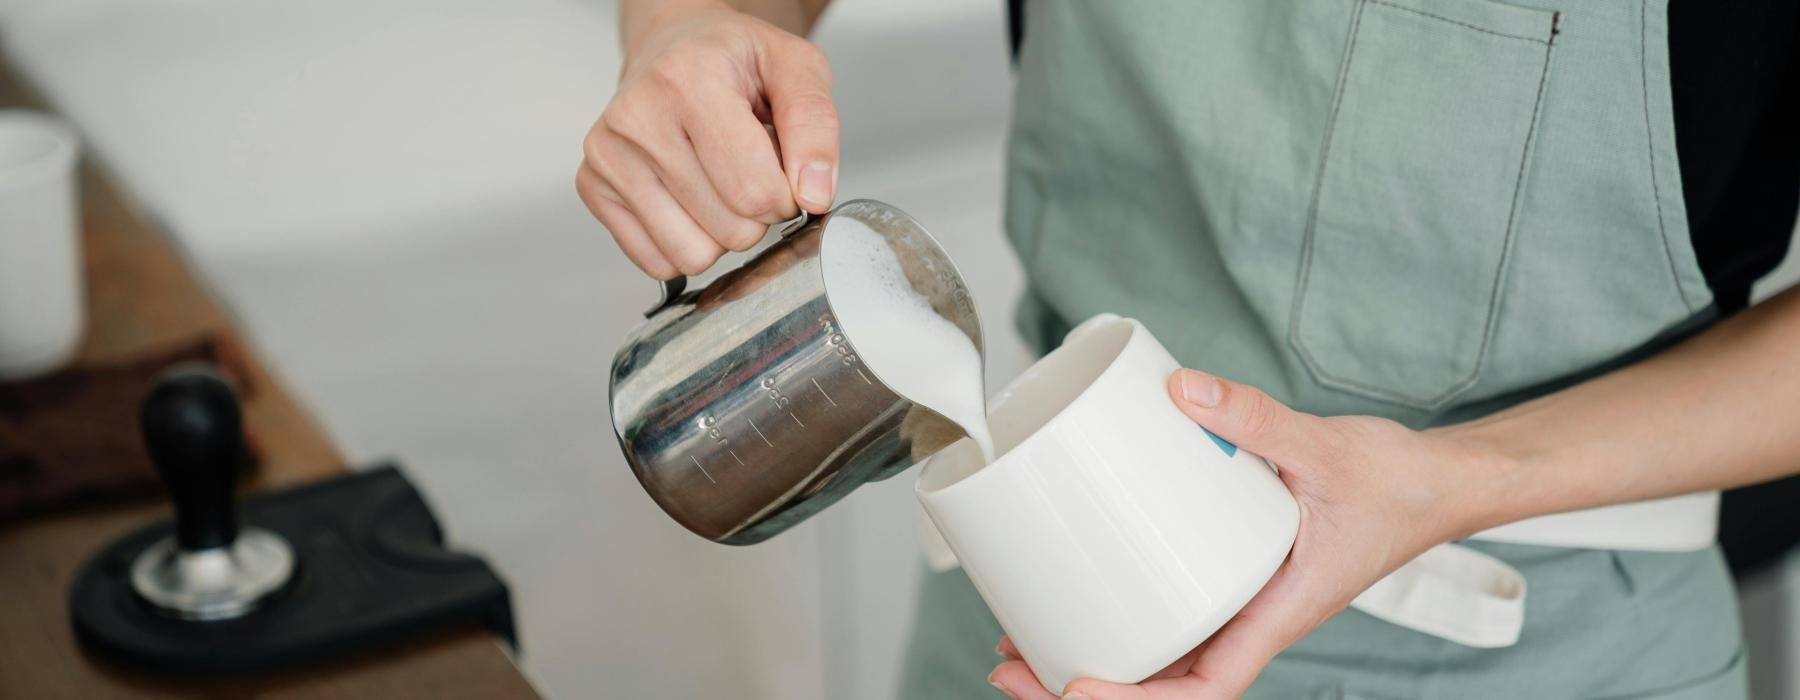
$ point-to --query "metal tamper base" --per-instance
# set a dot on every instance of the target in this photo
(214, 584)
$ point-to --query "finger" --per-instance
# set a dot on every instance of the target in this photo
(678, 165)
(739, 157)
(1177, 669)
(1279, 615)
(626, 168)
(1180, 688)
(1181, 665)
(1016, 680)
(1148, 688)
(625, 229)
(1007, 650)
(1175, 681)
(1247, 417)
(797, 81)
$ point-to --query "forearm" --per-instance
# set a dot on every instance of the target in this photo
(1719, 410)
(639, 17)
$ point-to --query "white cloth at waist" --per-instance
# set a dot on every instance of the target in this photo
(1470, 598)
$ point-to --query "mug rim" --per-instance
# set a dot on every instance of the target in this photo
(1086, 330)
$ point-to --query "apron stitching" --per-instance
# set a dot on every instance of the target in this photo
(1537, 107)
(1312, 215)
(1460, 23)
(1312, 365)
(1650, 142)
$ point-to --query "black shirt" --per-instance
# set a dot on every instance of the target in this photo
(1736, 88)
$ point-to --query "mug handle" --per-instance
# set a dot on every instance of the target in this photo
(673, 288)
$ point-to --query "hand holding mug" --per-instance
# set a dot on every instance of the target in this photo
(1373, 495)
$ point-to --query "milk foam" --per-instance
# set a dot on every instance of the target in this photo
(917, 353)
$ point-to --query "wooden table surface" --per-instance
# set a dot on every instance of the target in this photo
(142, 298)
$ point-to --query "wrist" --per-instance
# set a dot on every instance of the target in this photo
(1485, 479)
(640, 20)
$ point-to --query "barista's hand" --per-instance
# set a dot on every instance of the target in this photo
(684, 162)
(1373, 494)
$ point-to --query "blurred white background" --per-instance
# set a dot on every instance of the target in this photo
(382, 191)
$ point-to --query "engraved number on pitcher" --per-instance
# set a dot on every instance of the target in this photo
(835, 340)
(781, 400)
(711, 426)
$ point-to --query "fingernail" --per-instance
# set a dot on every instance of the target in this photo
(1003, 690)
(815, 184)
(1077, 695)
(1200, 388)
(998, 651)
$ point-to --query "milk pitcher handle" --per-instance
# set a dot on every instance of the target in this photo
(672, 288)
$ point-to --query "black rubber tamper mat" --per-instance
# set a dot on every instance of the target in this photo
(371, 571)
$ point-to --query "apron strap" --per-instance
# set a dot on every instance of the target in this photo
(1452, 592)
(1470, 598)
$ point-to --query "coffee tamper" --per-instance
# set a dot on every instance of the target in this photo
(210, 569)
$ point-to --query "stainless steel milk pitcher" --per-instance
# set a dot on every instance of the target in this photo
(743, 408)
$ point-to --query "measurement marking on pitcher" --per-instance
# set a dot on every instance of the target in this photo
(796, 419)
(702, 469)
(740, 460)
(822, 392)
(759, 432)
(865, 377)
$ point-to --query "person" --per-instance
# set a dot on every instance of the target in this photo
(1445, 262)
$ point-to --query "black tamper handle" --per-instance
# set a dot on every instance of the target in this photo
(195, 434)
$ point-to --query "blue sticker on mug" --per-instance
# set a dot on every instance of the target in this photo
(1230, 449)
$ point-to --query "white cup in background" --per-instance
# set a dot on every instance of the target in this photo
(1112, 535)
(40, 260)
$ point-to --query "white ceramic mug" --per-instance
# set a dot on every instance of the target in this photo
(1112, 535)
(40, 261)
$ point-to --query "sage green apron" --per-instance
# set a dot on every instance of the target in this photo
(1419, 209)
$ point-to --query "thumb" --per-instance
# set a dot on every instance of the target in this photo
(797, 82)
(1245, 416)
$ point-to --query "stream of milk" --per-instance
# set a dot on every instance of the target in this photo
(917, 353)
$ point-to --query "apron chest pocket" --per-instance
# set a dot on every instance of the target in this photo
(1411, 223)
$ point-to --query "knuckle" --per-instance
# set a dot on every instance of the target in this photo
(812, 109)
(618, 118)
(600, 160)
(659, 269)
(1261, 415)
(633, 119)
(668, 77)
(742, 236)
(751, 201)
(593, 147)
(693, 261)
(620, 237)
(809, 54)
